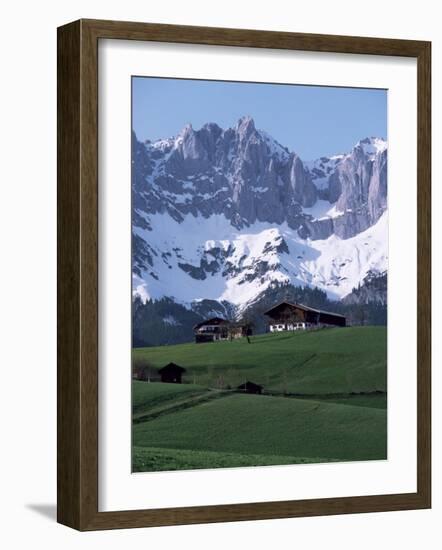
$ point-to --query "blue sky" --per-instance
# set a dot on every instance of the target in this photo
(313, 121)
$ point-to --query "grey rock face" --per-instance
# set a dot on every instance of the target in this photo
(372, 290)
(356, 184)
(377, 194)
(317, 229)
(304, 192)
(240, 172)
(247, 176)
(362, 179)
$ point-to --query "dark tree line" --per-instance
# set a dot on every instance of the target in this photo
(161, 322)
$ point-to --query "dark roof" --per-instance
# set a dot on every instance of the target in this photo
(303, 307)
(249, 384)
(172, 366)
(212, 321)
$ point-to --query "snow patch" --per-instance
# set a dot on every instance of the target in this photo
(170, 320)
(251, 262)
(323, 210)
(373, 146)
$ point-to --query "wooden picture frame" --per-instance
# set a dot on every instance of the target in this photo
(78, 274)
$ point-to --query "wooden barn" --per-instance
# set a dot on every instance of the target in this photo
(216, 328)
(288, 316)
(171, 373)
(250, 387)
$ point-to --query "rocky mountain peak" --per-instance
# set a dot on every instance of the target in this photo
(245, 126)
(247, 176)
(371, 146)
(187, 129)
(227, 214)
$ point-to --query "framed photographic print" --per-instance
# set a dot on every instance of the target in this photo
(243, 274)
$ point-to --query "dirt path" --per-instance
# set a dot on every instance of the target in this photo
(179, 405)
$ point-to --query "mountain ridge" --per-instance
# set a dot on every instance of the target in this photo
(225, 214)
(248, 176)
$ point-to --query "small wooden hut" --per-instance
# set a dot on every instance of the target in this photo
(171, 373)
(250, 387)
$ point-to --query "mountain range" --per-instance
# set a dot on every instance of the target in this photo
(223, 216)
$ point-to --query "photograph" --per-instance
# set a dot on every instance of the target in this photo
(259, 274)
(222, 215)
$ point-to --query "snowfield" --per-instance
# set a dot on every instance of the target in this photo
(237, 265)
(322, 210)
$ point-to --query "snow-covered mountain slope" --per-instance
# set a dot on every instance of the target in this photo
(200, 258)
(226, 214)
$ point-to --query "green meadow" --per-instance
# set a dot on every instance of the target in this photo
(324, 399)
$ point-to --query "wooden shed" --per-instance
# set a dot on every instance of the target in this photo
(171, 373)
(250, 387)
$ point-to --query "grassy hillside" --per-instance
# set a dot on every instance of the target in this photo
(268, 425)
(341, 360)
(148, 459)
(324, 401)
(148, 397)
